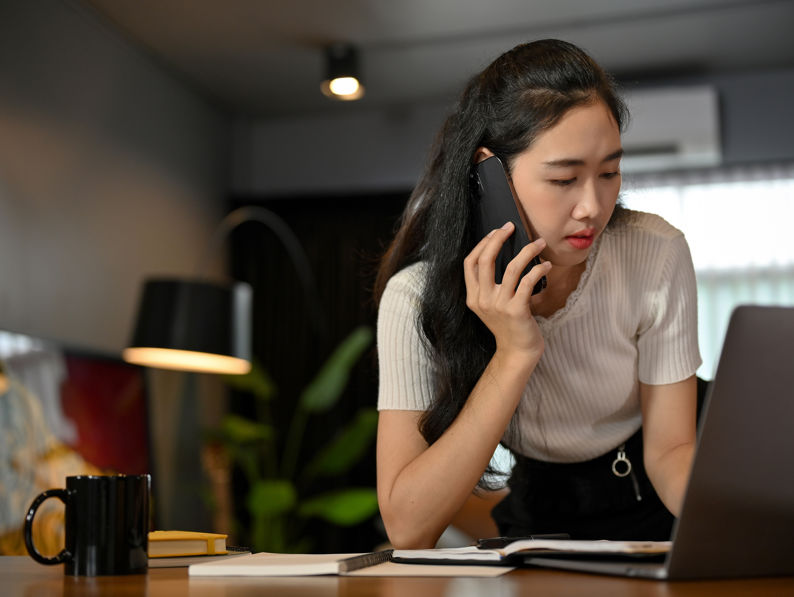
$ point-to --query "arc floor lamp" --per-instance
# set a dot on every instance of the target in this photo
(205, 326)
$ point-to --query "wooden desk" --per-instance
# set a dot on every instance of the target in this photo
(20, 576)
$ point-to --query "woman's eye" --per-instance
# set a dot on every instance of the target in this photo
(563, 182)
(610, 175)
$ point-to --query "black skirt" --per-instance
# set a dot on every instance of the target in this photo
(587, 500)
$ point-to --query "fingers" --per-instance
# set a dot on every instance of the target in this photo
(479, 269)
(479, 265)
(513, 273)
(527, 283)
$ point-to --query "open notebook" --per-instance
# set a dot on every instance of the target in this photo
(738, 512)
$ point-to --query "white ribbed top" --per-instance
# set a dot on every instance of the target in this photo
(632, 318)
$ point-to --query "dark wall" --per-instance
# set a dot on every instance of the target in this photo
(343, 237)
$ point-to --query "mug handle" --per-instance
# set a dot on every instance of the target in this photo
(61, 494)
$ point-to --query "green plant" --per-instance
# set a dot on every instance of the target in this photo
(280, 476)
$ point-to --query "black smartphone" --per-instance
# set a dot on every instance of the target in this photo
(498, 205)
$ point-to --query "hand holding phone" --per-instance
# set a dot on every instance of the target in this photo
(498, 205)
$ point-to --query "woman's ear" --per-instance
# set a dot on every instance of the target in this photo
(482, 153)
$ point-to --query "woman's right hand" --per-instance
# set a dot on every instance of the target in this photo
(505, 308)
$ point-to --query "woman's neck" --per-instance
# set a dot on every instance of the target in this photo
(561, 281)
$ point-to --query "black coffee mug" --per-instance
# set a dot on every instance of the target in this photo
(107, 525)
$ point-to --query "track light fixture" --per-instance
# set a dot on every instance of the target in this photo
(342, 80)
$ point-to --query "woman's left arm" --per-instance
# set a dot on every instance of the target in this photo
(669, 429)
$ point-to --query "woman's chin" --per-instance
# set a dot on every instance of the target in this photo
(566, 258)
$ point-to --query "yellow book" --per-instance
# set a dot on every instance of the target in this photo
(185, 543)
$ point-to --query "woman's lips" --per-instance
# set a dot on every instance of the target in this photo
(581, 241)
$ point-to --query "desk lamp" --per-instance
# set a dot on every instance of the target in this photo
(203, 326)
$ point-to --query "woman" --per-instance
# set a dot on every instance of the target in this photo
(589, 383)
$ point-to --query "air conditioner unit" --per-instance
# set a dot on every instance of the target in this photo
(672, 128)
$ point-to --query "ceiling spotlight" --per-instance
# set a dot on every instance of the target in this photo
(342, 80)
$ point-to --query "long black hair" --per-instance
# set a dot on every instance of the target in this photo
(524, 92)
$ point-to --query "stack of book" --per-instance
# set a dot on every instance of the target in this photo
(169, 549)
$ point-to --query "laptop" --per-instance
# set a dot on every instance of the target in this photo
(737, 517)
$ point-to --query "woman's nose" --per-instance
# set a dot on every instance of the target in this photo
(588, 204)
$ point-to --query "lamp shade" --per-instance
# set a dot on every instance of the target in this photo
(193, 325)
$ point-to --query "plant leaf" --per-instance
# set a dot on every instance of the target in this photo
(239, 430)
(257, 381)
(343, 508)
(271, 497)
(324, 390)
(347, 448)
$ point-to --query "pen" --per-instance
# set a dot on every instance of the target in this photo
(497, 542)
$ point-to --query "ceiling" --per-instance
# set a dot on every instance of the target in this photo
(264, 58)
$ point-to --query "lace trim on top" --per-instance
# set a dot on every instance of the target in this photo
(573, 298)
